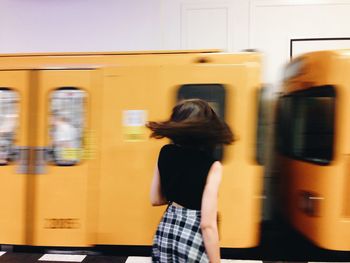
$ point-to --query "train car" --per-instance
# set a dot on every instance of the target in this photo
(76, 160)
(314, 147)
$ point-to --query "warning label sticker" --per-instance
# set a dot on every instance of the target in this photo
(134, 125)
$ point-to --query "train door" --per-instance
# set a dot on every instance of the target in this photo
(14, 89)
(131, 96)
(232, 91)
(140, 93)
(62, 178)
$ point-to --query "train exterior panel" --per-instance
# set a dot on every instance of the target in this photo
(77, 166)
(314, 147)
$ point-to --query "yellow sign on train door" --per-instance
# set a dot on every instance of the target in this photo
(134, 125)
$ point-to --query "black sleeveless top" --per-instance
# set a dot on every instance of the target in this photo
(183, 174)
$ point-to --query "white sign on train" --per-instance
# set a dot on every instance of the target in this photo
(134, 118)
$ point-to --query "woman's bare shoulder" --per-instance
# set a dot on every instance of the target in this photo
(216, 166)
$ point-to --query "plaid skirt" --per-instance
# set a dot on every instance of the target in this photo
(178, 238)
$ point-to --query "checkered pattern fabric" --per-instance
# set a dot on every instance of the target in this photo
(178, 238)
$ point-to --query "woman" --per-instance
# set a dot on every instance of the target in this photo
(187, 177)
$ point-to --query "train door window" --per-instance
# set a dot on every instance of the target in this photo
(308, 124)
(214, 94)
(9, 117)
(67, 123)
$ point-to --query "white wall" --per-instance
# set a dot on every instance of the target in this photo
(274, 22)
(123, 25)
(190, 24)
(265, 25)
(79, 25)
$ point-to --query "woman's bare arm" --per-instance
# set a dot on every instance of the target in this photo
(209, 213)
(156, 195)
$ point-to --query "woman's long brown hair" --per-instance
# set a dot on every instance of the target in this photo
(194, 123)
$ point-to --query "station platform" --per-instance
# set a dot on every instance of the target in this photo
(11, 257)
(279, 243)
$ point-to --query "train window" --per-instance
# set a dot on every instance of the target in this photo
(9, 117)
(214, 94)
(306, 124)
(67, 123)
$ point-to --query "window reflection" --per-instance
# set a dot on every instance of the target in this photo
(67, 125)
(8, 123)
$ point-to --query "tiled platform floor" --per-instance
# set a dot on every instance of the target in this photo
(278, 243)
(10, 257)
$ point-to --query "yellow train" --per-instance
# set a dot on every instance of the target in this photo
(314, 147)
(75, 158)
